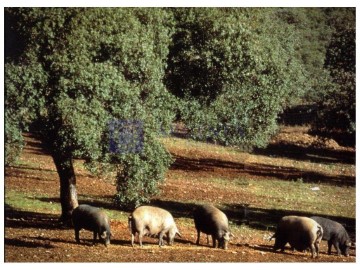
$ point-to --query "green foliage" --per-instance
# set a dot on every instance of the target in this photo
(336, 116)
(20, 105)
(87, 67)
(313, 32)
(140, 174)
(235, 70)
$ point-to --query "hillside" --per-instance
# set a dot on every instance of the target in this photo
(296, 174)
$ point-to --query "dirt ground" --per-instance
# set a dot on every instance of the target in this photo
(35, 237)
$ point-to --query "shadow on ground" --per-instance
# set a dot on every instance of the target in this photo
(263, 170)
(310, 153)
(106, 202)
(28, 243)
(15, 218)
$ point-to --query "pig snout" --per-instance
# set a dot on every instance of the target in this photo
(224, 241)
(106, 237)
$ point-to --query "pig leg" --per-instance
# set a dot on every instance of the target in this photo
(161, 242)
(313, 251)
(198, 237)
(77, 238)
(214, 241)
(329, 247)
(94, 237)
(279, 244)
(336, 245)
(169, 239)
(141, 234)
(317, 248)
(132, 239)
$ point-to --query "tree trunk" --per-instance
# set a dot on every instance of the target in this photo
(68, 194)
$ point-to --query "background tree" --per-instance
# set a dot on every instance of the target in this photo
(82, 72)
(314, 33)
(234, 71)
(336, 115)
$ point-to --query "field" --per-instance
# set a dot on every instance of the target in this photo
(297, 174)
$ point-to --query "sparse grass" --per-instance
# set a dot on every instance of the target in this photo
(244, 233)
(32, 202)
(292, 195)
(117, 215)
(191, 148)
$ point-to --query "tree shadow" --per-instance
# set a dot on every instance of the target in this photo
(269, 248)
(289, 251)
(27, 243)
(177, 209)
(34, 144)
(15, 218)
(121, 242)
(86, 239)
(14, 170)
(311, 154)
(203, 164)
(290, 174)
(20, 168)
(22, 171)
(105, 202)
(264, 170)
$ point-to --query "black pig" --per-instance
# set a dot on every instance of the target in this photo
(92, 219)
(335, 234)
(211, 221)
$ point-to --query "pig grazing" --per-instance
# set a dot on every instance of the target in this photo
(92, 219)
(335, 234)
(300, 232)
(211, 221)
(150, 220)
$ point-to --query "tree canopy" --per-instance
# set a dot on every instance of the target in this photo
(83, 69)
(336, 114)
(237, 69)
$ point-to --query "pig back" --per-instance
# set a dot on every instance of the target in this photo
(90, 218)
(152, 218)
(210, 220)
